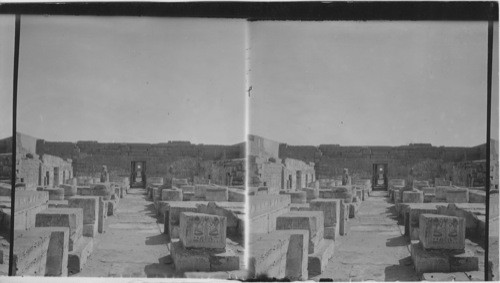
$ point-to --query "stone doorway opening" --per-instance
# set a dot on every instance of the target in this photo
(138, 174)
(379, 176)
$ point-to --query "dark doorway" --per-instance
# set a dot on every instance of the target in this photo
(379, 177)
(138, 174)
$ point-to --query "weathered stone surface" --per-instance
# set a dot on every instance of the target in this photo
(429, 190)
(30, 252)
(216, 194)
(279, 254)
(102, 213)
(296, 196)
(441, 192)
(413, 197)
(477, 196)
(198, 230)
(28, 199)
(299, 207)
(330, 209)
(69, 190)
(307, 220)
(344, 216)
(223, 275)
(224, 261)
(171, 195)
(58, 204)
(90, 230)
(189, 260)
(236, 195)
(111, 205)
(78, 257)
(57, 252)
(318, 261)
(442, 232)
(71, 218)
(312, 193)
(89, 205)
(457, 195)
(427, 261)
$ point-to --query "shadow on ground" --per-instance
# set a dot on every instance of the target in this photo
(397, 241)
(161, 269)
(160, 239)
(402, 272)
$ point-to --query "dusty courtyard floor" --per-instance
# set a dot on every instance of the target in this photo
(375, 247)
(133, 244)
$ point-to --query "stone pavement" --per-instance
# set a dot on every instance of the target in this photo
(375, 247)
(133, 244)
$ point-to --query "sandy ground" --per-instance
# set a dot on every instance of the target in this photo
(132, 245)
(375, 247)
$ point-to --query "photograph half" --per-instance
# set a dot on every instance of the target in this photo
(367, 150)
(130, 147)
(7, 27)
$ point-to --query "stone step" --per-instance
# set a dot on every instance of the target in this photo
(78, 257)
(318, 261)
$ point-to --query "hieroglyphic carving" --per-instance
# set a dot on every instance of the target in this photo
(199, 230)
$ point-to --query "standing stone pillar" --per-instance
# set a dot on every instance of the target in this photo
(104, 174)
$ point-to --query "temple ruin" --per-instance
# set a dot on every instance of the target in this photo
(407, 213)
(81, 208)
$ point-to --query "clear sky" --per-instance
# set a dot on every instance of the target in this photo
(119, 79)
(369, 83)
(6, 72)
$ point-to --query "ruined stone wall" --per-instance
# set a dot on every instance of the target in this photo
(226, 172)
(428, 162)
(89, 156)
(28, 171)
(263, 147)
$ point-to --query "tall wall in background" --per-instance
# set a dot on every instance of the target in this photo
(423, 161)
(183, 159)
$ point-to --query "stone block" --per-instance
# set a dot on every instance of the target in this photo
(171, 195)
(306, 220)
(102, 213)
(111, 205)
(198, 230)
(296, 196)
(344, 216)
(426, 261)
(89, 205)
(220, 275)
(279, 254)
(71, 218)
(57, 252)
(187, 196)
(199, 190)
(442, 232)
(58, 204)
(69, 190)
(318, 261)
(189, 259)
(330, 209)
(216, 194)
(477, 196)
(78, 257)
(299, 207)
(353, 209)
(30, 252)
(224, 261)
(457, 195)
(413, 197)
(429, 198)
(311, 193)
(28, 199)
(429, 190)
(333, 232)
(84, 191)
(441, 192)
(90, 230)
(236, 195)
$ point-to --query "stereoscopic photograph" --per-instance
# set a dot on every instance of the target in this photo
(130, 153)
(368, 146)
(249, 141)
